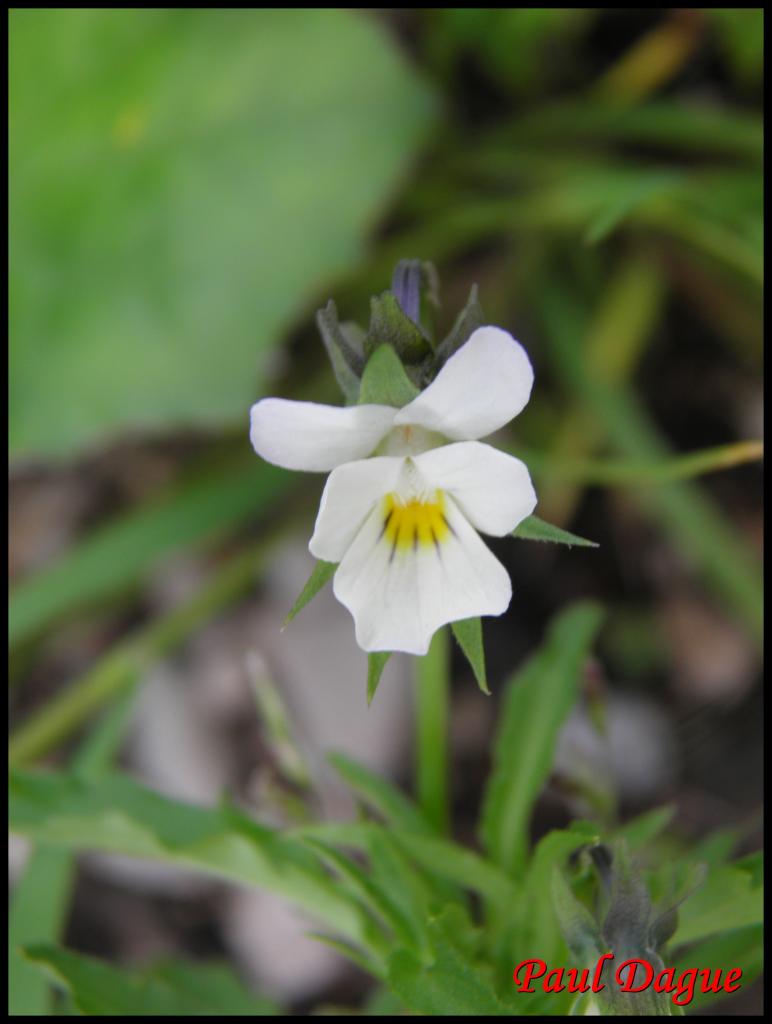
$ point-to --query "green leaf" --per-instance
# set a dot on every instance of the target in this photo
(540, 927)
(537, 701)
(174, 232)
(385, 381)
(117, 815)
(390, 325)
(395, 808)
(98, 988)
(740, 947)
(40, 898)
(117, 555)
(376, 663)
(450, 986)
(438, 857)
(320, 576)
(38, 907)
(730, 898)
(468, 632)
(646, 826)
(365, 888)
(347, 362)
(534, 528)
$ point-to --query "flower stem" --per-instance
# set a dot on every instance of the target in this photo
(432, 703)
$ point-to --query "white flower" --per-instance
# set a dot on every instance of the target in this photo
(403, 522)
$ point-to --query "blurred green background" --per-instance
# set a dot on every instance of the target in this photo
(188, 187)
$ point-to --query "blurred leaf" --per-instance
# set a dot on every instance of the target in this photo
(55, 719)
(171, 989)
(38, 907)
(534, 528)
(438, 857)
(320, 576)
(385, 381)
(376, 663)
(645, 827)
(536, 703)
(523, 48)
(700, 530)
(468, 632)
(624, 201)
(667, 124)
(367, 888)
(740, 947)
(448, 986)
(380, 795)
(173, 229)
(40, 898)
(117, 555)
(539, 925)
(740, 34)
(117, 815)
(730, 898)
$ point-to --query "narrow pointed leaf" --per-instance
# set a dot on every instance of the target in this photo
(376, 663)
(320, 576)
(534, 528)
(468, 632)
(537, 701)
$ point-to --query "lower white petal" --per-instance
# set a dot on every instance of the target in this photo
(350, 493)
(314, 437)
(492, 489)
(403, 578)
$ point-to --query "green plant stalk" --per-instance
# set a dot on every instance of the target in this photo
(432, 718)
(124, 662)
(632, 472)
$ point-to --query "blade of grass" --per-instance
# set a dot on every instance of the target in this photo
(696, 526)
(117, 555)
(62, 715)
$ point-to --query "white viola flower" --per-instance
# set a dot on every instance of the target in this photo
(410, 488)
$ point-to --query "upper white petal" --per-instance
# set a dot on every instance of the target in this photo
(481, 387)
(309, 436)
(398, 602)
(492, 489)
(349, 495)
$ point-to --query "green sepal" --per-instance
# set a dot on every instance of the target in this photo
(390, 325)
(580, 930)
(468, 320)
(385, 381)
(534, 528)
(468, 633)
(321, 575)
(344, 354)
(376, 662)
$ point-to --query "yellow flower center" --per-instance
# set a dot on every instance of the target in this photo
(410, 524)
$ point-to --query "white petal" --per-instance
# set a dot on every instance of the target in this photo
(483, 385)
(309, 436)
(400, 598)
(492, 489)
(349, 495)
